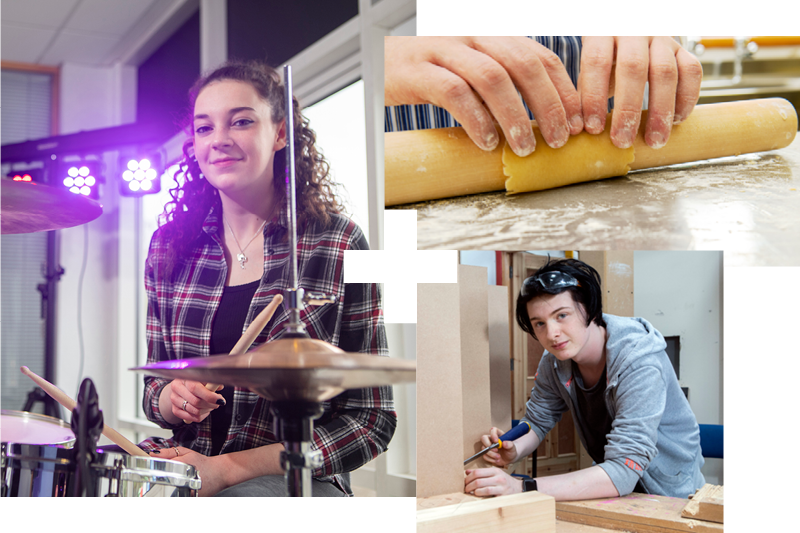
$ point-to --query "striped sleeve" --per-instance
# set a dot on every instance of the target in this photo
(429, 116)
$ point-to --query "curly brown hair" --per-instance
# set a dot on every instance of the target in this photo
(182, 220)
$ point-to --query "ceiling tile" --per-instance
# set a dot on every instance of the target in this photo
(75, 47)
(40, 12)
(107, 16)
(24, 43)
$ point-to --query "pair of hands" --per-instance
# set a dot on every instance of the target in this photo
(476, 80)
(494, 481)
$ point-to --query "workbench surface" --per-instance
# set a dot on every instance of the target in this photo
(748, 206)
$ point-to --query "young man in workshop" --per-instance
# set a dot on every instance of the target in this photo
(613, 374)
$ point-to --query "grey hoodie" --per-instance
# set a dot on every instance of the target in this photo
(654, 434)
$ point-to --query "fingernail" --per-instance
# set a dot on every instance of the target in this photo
(594, 124)
(560, 137)
(576, 122)
(677, 119)
(623, 138)
(524, 141)
(156, 451)
(490, 140)
(656, 140)
(220, 402)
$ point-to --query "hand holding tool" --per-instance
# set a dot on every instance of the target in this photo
(516, 432)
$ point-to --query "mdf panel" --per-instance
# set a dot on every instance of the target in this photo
(439, 392)
(475, 367)
(499, 357)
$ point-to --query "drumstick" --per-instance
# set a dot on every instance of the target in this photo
(250, 334)
(62, 398)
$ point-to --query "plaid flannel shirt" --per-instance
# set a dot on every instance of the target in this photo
(356, 426)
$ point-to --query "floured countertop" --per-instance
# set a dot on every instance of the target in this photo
(748, 206)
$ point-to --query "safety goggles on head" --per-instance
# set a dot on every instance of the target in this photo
(549, 281)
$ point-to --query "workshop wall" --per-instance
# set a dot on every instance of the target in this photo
(680, 293)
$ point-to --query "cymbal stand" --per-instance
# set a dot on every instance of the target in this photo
(295, 419)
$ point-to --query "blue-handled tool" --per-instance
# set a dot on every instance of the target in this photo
(516, 432)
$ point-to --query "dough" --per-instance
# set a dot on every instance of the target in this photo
(585, 157)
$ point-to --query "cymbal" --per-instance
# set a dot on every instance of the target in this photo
(28, 207)
(290, 370)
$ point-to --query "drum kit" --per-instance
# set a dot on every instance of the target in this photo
(295, 373)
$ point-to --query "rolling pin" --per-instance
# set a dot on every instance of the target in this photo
(442, 163)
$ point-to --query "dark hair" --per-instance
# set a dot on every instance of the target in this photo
(588, 292)
(182, 220)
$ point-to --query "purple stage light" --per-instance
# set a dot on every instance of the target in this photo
(141, 177)
(81, 176)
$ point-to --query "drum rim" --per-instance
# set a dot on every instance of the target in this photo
(40, 418)
(138, 469)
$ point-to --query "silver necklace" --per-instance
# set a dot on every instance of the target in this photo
(240, 256)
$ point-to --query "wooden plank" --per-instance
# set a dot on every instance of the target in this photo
(499, 357)
(439, 407)
(528, 511)
(442, 500)
(475, 369)
(637, 513)
(707, 504)
(572, 527)
(616, 273)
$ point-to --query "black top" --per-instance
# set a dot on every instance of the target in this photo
(592, 414)
(225, 333)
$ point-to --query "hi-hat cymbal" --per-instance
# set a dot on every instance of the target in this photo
(29, 207)
(290, 370)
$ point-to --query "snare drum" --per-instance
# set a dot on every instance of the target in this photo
(138, 476)
(35, 455)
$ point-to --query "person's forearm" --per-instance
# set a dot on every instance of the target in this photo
(255, 462)
(526, 444)
(585, 484)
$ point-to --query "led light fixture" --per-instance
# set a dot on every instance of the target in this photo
(82, 176)
(140, 177)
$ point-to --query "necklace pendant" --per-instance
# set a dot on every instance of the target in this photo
(241, 258)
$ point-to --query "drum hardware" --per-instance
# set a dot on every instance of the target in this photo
(41, 456)
(37, 455)
(114, 477)
(38, 395)
(87, 424)
(62, 398)
(296, 422)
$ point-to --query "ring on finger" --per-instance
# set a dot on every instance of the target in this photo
(177, 451)
(184, 404)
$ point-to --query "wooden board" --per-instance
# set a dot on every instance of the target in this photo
(707, 504)
(475, 368)
(528, 511)
(616, 274)
(637, 513)
(439, 407)
(499, 357)
(572, 527)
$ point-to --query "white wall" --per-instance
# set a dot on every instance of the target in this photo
(680, 293)
(92, 98)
